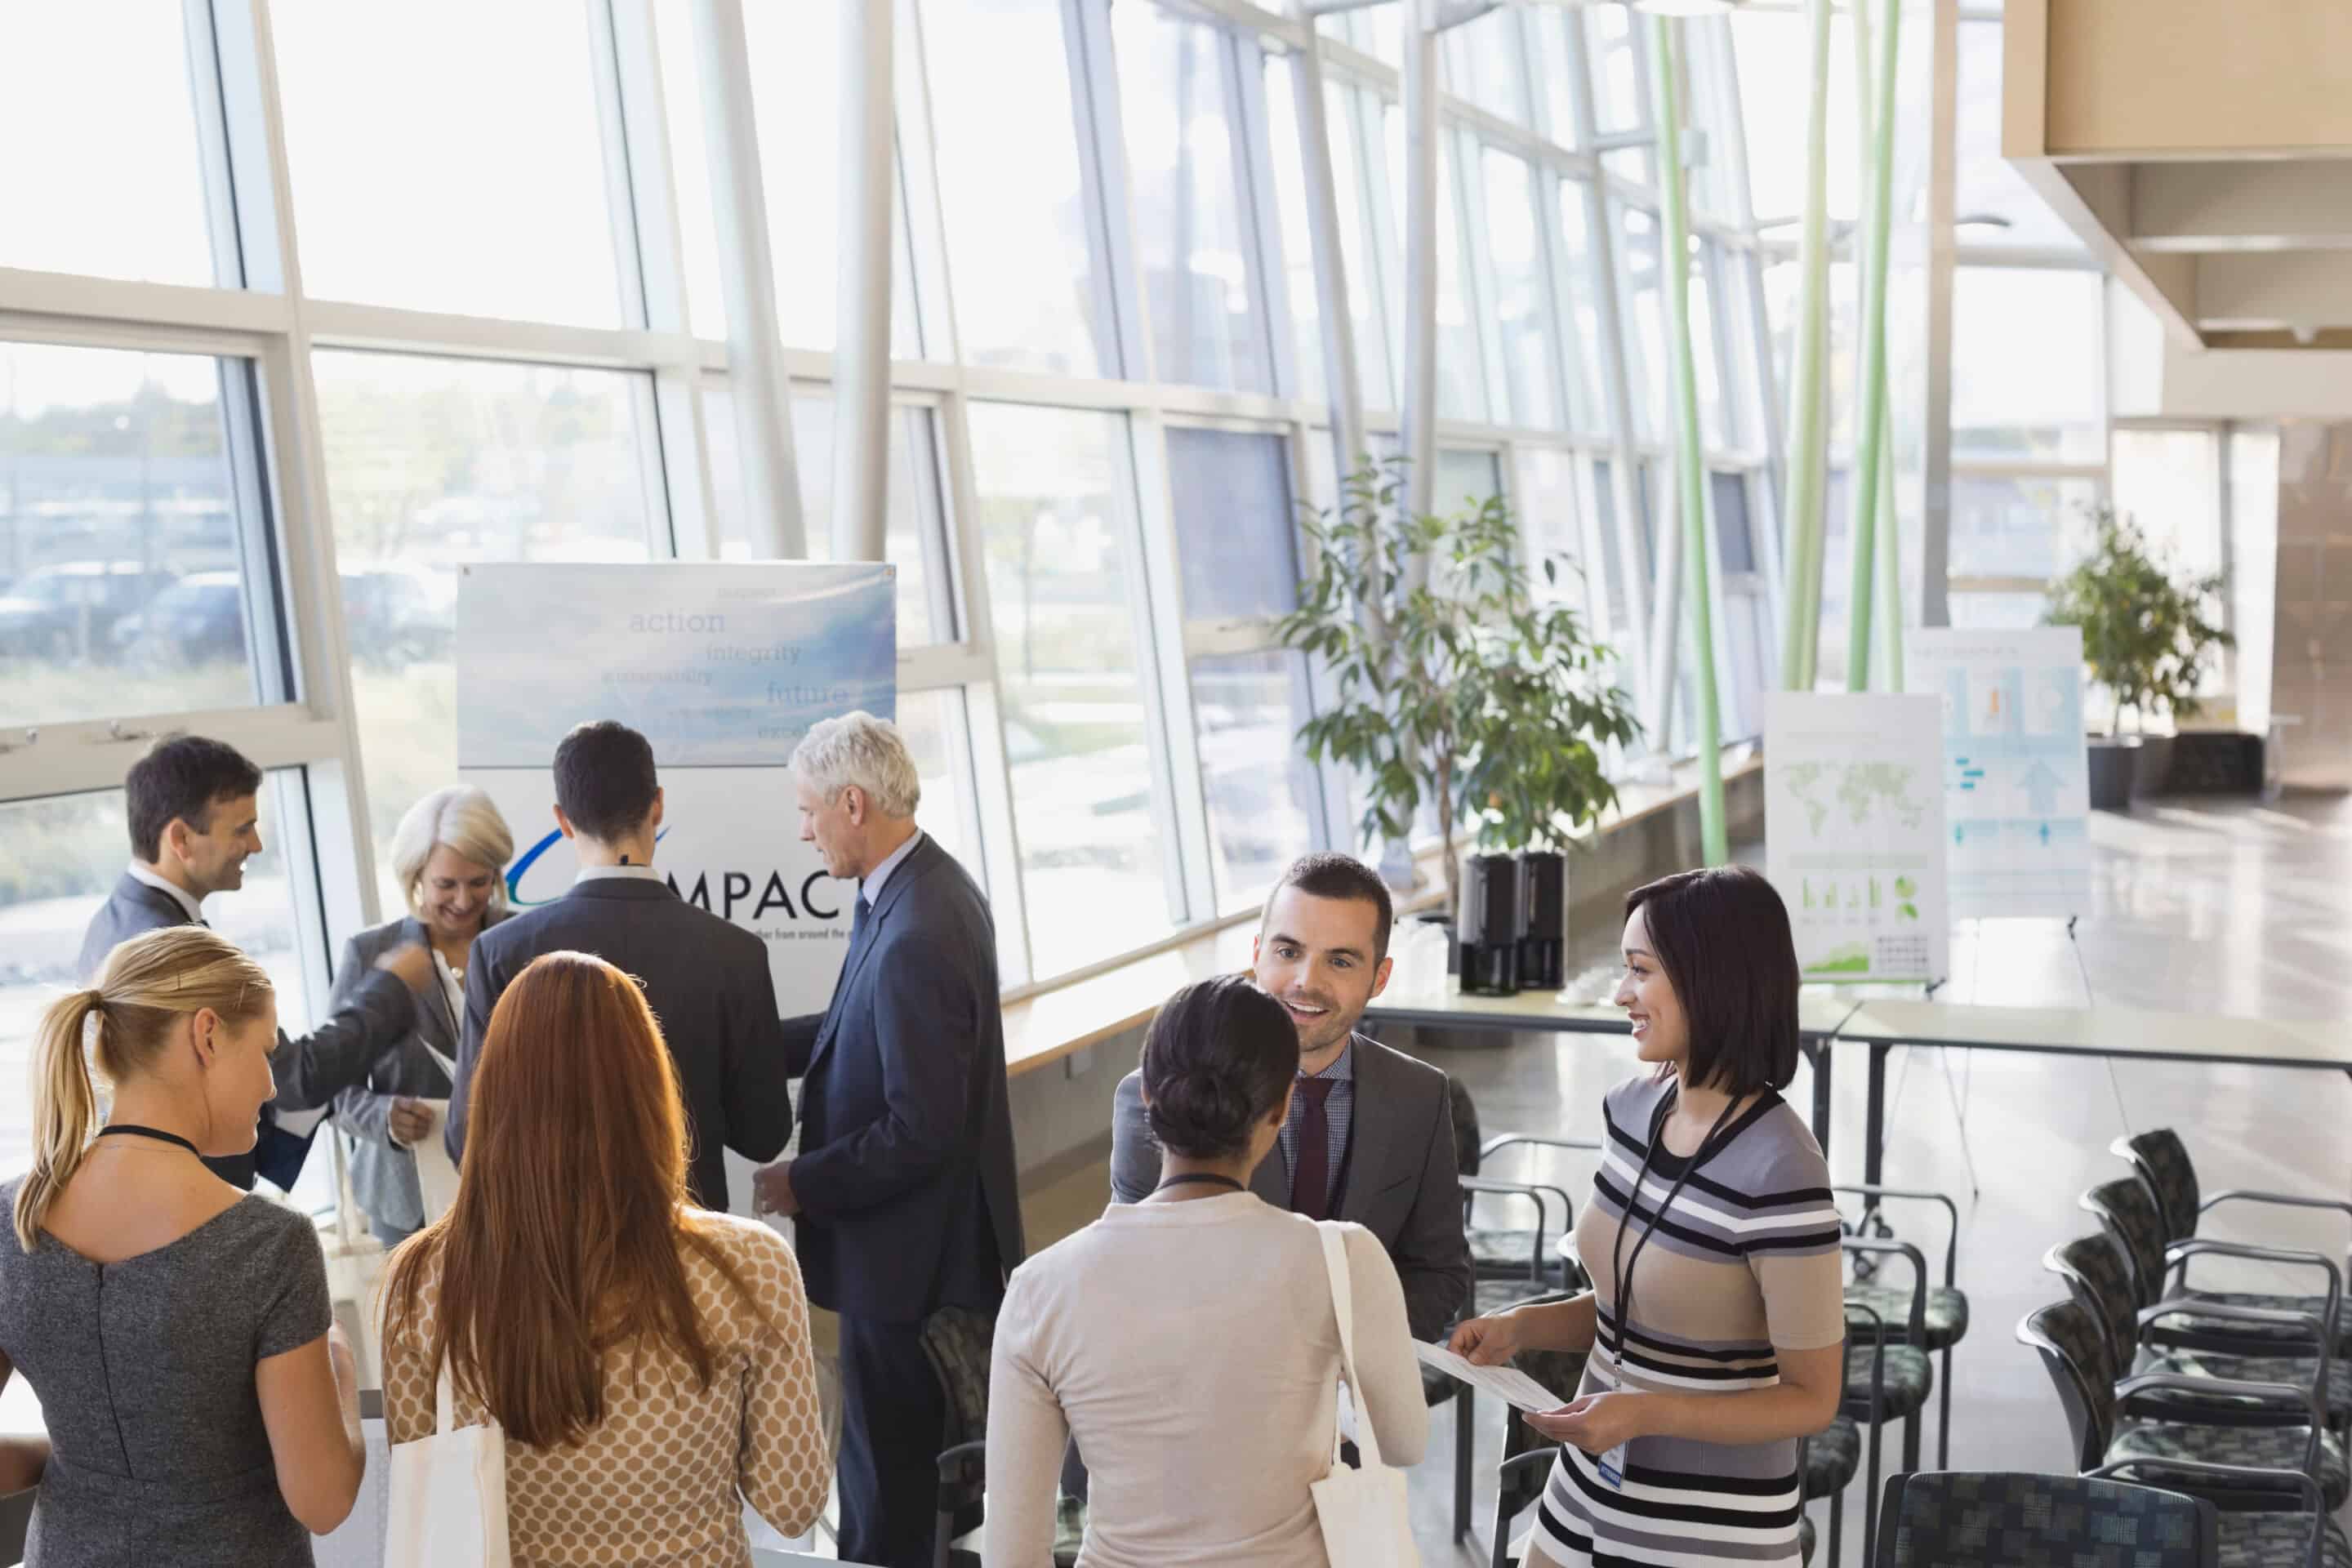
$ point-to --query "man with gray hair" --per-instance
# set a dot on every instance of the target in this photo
(904, 1187)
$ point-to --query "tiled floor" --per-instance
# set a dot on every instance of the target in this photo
(2226, 907)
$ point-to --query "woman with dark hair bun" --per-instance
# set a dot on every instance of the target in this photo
(1189, 1342)
(1718, 1318)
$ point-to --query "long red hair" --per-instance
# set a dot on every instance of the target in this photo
(565, 1242)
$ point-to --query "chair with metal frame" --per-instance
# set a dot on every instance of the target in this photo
(2239, 1468)
(1945, 1321)
(1960, 1519)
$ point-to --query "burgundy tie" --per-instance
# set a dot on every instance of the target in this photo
(1310, 1176)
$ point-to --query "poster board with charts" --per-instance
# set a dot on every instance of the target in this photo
(1853, 825)
(2017, 782)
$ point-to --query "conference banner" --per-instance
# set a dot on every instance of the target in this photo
(1853, 830)
(723, 668)
(2017, 785)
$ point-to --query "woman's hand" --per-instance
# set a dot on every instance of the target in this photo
(1488, 1342)
(409, 1121)
(1598, 1422)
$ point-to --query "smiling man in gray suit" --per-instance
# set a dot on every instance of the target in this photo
(1371, 1133)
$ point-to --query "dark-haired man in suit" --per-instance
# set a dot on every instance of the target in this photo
(705, 980)
(194, 813)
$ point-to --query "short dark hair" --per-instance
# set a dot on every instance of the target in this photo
(1330, 875)
(183, 777)
(605, 779)
(1722, 936)
(1217, 1059)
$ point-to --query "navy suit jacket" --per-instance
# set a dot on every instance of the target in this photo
(377, 1015)
(905, 1179)
(709, 986)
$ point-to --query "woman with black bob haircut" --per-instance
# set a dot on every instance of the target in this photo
(1189, 1342)
(1717, 1319)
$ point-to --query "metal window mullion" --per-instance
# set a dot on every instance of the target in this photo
(1481, 279)
(1558, 307)
(1366, 113)
(681, 413)
(927, 241)
(1000, 836)
(1154, 594)
(613, 139)
(1759, 333)
(1252, 151)
(860, 458)
(1124, 347)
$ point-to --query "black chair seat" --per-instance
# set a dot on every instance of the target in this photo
(1804, 1539)
(1489, 1297)
(1499, 1253)
(2315, 1305)
(1947, 1314)
(2260, 1447)
(2262, 1369)
(2278, 1540)
(1436, 1387)
(1832, 1455)
(1909, 1379)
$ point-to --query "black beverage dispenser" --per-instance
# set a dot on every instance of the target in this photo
(1493, 919)
(1543, 951)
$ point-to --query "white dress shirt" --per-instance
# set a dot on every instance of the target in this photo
(186, 899)
(870, 889)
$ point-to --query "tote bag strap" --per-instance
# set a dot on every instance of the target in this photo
(1343, 1306)
(445, 1402)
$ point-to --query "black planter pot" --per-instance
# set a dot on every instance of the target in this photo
(2114, 769)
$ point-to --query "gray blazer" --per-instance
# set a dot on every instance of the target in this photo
(373, 1013)
(383, 1175)
(1402, 1184)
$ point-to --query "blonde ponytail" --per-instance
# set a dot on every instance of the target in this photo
(147, 985)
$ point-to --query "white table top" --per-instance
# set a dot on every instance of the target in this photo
(2107, 1029)
(1819, 1012)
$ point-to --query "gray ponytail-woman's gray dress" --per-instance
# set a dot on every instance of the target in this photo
(144, 1370)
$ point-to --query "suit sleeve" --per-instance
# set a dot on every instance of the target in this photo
(926, 1026)
(359, 1109)
(1432, 1253)
(756, 1066)
(338, 1054)
(1134, 1156)
(800, 1042)
(485, 981)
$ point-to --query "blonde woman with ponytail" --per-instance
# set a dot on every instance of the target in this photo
(202, 1410)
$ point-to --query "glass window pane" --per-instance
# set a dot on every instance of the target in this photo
(1057, 522)
(432, 463)
(119, 537)
(794, 54)
(1643, 292)
(1521, 297)
(449, 156)
(1587, 407)
(1482, 65)
(1461, 389)
(1735, 543)
(1305, 300)
(1997, 612)
(690, 166)
(1235, 527)
(2026, 364)
(1620, 98)
(1986, 184)
(1019, 260)
(1612, 551)
(78, 846)
(2170, 482)
(933, 723)
(1706, 363)
(2018, 527)
(1551, 529)
(1363, 248)
(913, 497)
(1263, 794)
(1465, 478)
(1182, 128)
(1772, 48)
(103, 173)
(1554, 74)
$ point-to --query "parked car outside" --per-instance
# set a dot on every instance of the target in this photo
(198, 620)
(70, 610)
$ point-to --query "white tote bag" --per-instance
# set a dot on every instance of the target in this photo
(1366, 1523)
(447, 1507)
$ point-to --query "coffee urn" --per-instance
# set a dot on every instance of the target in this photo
(1493, 919)
(1543, 950)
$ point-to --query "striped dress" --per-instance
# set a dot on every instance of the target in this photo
(1746, 1259)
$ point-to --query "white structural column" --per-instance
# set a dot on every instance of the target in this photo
(1423, 140)
(755, 352)
(1943, 176)
(861, 354)
(1340, 370)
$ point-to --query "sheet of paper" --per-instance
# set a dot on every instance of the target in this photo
(1507, 1383)
(437, 1178)
(300, 1123)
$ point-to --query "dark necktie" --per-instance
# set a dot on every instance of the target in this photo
(1310, 1176)
(849, 960)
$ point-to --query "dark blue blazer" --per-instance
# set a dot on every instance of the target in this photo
(708, 983)
(906, 1179)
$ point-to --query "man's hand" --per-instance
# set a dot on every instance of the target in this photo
(771, 1190)
(411, 1122)
(412, 961)
(1596, 1423)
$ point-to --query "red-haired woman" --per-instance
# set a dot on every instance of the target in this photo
(649, 1361)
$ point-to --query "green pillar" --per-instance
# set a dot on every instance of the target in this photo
(1674, 243)
(1801, 598)
(1870, 428)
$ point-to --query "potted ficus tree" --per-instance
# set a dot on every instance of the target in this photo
(1452, 684)
(2145, 639)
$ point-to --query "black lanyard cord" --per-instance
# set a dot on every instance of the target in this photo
(1204, 1178)
(1622, 1268)
(135, 1130)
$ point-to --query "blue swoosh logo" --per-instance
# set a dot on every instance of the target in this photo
(530, 859)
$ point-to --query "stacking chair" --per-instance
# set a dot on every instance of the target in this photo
(1957, 1519)
(2163, 1162)
(1526, 1254)
(16, 1520)
(1889, 1374)
(1945, 1321)
(2256, 1476)
(958, 1340)
(1522, 1481)
(2206, 1320)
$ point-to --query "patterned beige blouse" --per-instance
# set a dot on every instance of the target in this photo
(657, 1484)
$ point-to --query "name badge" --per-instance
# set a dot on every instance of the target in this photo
(1611, 1465)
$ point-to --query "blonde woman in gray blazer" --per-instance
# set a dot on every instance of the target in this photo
(448, 856)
